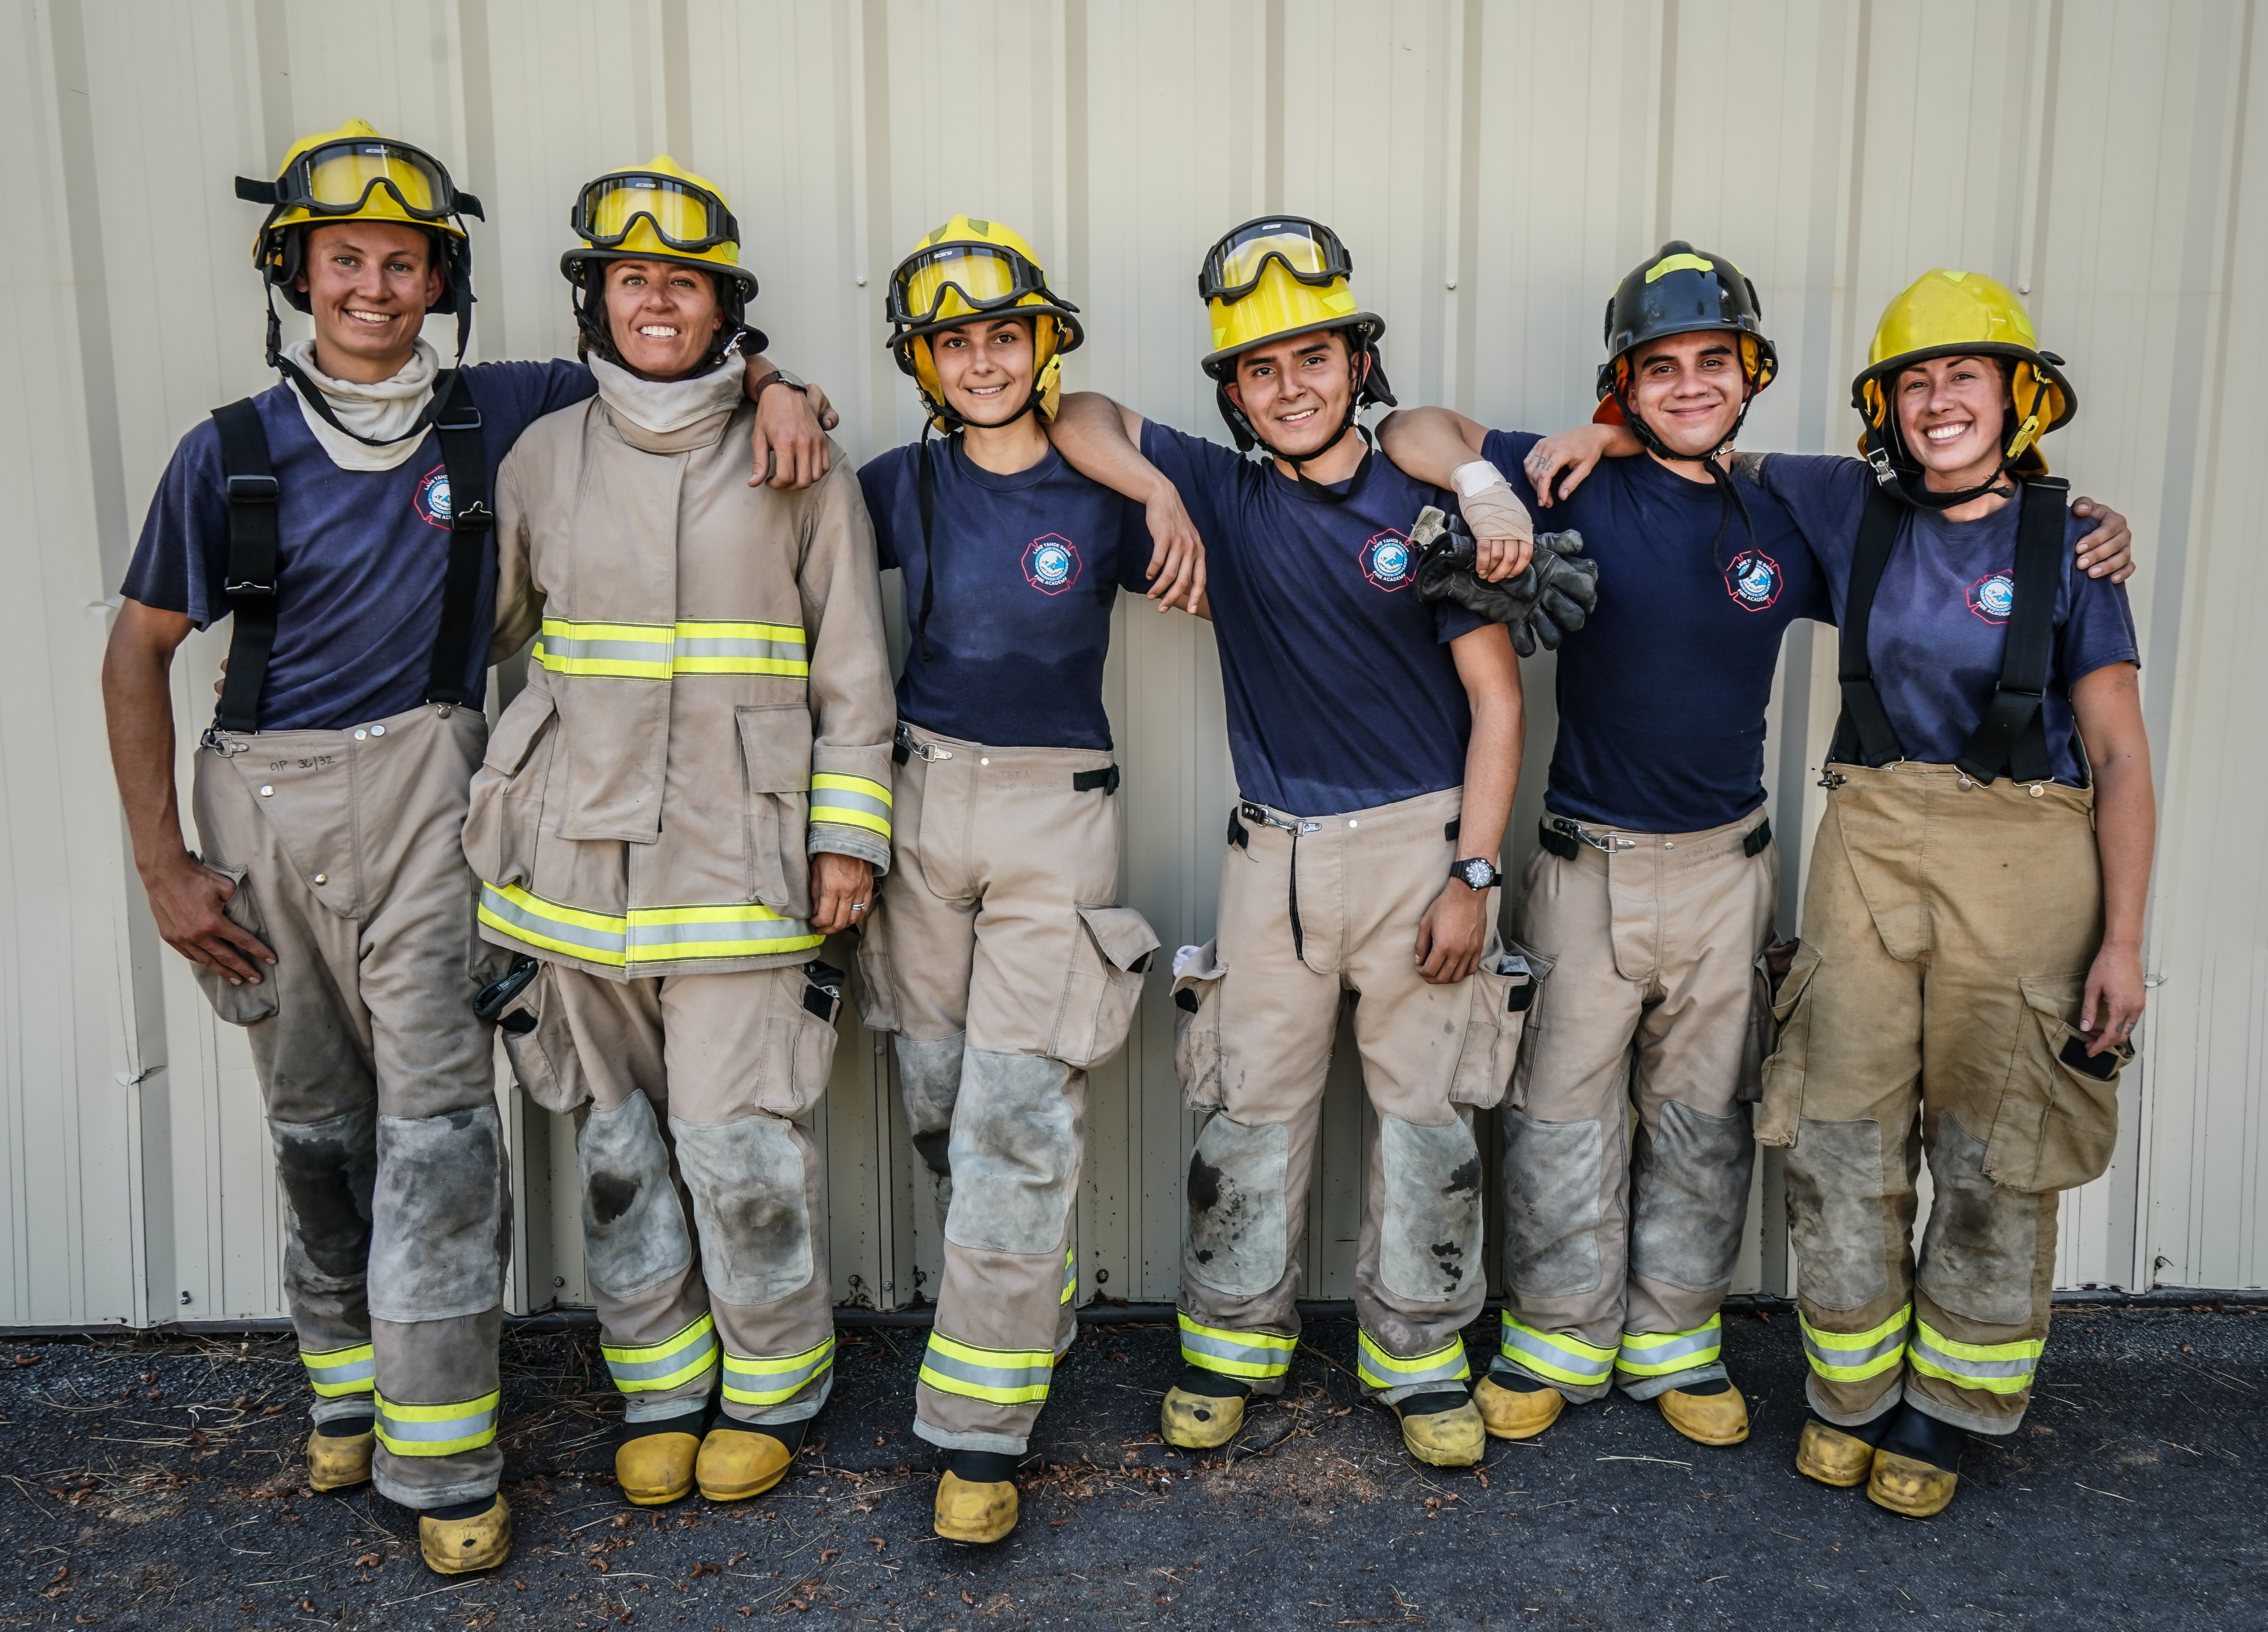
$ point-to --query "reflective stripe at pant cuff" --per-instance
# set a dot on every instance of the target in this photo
(1006, 1444)
(763, 1381)
(1071, 1276)
(1255, 1356)
(1855, 1356)
(795, 1411)
(1555, 1358)
(438, 1430)
(1989, 1368)
(998, 1377)
(676, 1359)
(335, 1373)
(1392, 1374)
(1663, 1353)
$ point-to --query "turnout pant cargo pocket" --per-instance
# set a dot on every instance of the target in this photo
(1197, 1024)
(245, 1004)
(1103, 985)
(2058, 1117)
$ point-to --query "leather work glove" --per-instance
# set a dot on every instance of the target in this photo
(1540, 605)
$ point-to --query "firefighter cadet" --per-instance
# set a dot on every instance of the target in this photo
(1376, 740)
(692, 793)
(341, 520)
(998, 956)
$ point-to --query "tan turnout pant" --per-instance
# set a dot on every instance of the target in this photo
(1619, 1248)
(378, 1082)
(997, 955)
(1314, 909)
(704, 1205)
(1948, 930)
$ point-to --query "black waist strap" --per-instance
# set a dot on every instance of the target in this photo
(1566, 846)
(1088, 781)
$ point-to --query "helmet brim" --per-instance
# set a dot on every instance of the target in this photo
(574, 260)
(1888, 368)
(1222, 365)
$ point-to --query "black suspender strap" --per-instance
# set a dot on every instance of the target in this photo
(2011, 738)
(1864, 735)
(250, 580)
(457, 425)
(925, 498)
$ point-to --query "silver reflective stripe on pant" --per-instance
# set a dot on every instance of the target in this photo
(767, 1380)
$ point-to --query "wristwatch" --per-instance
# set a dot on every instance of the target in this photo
(1476, 872)
(781, 377)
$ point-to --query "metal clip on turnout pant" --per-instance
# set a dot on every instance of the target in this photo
(1313, 908)
(378, 1082)
(1618, 1250)
(1932, 1010)
(999, 959)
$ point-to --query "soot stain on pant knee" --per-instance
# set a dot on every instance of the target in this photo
(1982, 1243)
(1836, 1211)
(1429, 1236)
(328, 1172)
(746, 1178)
(1236, 1231)
(612, 1195)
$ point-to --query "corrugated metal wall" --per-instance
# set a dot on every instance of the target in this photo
(1495, 164)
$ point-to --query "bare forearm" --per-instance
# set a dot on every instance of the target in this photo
(2126, 837)
(1492, 774)
(1094, 435)
(138, 702)
(1430, 443)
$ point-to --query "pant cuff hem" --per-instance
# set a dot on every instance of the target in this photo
(646, 1409)
(1955, 1416)
(1849, 1419)
(1410, 1391)
(798, 1410)
(1654, 1387)
(345, 1405)
(1006, 1444)
(419, 1497)
(1573, 1394)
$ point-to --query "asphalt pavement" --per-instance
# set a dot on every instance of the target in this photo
(158, 1482)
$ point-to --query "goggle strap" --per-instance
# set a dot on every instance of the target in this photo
(253, 191)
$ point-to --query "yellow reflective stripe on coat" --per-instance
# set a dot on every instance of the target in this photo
(660, 650)
(1381, 1370)
(850, 801)
(1854, 1357)
(647, 935)
(332, 1372)
(1659, 1354)
(437, 1429)
(1005, 1376)
(1996, 1368)
(1250, 1355)
(1070, 1277)
(1554, 1355)
(772, 1379)
(665, 1364)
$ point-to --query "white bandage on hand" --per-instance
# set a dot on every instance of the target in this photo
(1491, 509)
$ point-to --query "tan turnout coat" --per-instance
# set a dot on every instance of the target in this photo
(709, 700)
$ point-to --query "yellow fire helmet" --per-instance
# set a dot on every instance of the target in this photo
(1944, 313)
(965, 271)
(354, 173)
(660, 212)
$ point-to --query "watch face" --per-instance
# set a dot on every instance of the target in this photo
(1477, 874)
(786, 378)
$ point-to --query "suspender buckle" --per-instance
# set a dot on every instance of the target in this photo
(913, 747)
(252, 489)
(245, 589)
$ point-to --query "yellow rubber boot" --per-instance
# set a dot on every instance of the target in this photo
(1718, 1419)
(656, 1468)
(968, 1510)
(1454, 1437)
(1917, 1468)
(339, 1461)
(1512, 1414)
(1833, 1456)
(1199, 1421)
(457, 1547)
(736, 1463)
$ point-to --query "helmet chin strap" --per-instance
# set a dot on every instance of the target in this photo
(313, 393)
(1713, 463)
(1905, 478)
(1248, 434)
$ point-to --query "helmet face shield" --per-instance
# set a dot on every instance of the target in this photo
(1307, 250)
(677, 214)
(338, 178)
(950, 281)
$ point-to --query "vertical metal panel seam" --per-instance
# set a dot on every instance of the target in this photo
(1665, 165)
(1271, 181)
(479, 99)
(1468, 206)
(677, 83)
(2036, 273)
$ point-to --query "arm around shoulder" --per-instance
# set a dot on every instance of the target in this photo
(2108, 705)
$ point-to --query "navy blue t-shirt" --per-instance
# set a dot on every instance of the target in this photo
(1026, 568)
(1939, 629)
(1662, 692)
(361, 553)
(1342, 693)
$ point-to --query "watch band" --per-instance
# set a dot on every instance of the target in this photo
(780, 376)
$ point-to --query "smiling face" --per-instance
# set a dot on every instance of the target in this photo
(663, 316)
(986, 368)
(1952, 414)
(1690, 388)
(1295, 391)
(368, 284)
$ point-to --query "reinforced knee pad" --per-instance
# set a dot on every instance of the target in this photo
(1014, 1154)
(633, 1230)
(1834, 1209)
(1982, 1239)
(439, 1216)
(1691, 1197)
(1237, 1234)
(1553, 1175)
(929, 1082)
(1429, 1239)
(327, 1170)
(747, 1180)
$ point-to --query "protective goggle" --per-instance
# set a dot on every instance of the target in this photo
(337, 179)
(682, 216)
(1307, 250)
(987, 277)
